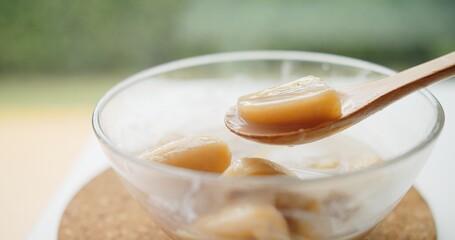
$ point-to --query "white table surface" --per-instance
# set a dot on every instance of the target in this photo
(435, 183)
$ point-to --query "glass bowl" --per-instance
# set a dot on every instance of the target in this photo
(190, 96)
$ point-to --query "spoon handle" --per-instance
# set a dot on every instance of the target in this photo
(381, 93)
(424, 74)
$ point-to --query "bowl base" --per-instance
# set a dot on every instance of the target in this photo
(103, 209)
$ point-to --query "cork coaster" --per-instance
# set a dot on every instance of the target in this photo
(103, 209)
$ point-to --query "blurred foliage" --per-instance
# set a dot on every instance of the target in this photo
(66, 36)
(53, 90)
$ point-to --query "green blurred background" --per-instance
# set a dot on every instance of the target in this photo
(67, 53)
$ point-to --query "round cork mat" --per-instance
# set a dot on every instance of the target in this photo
(103, 209)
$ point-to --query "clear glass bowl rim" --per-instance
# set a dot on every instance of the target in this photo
(249, 56)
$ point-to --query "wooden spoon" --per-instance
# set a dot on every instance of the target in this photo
(359, 102)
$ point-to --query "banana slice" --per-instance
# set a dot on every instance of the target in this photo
(199, 153)
(244, 221)
(256, 167)
(305, 102)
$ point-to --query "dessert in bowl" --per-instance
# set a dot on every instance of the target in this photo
(340, 187)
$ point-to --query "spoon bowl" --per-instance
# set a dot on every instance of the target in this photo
(358, 102)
